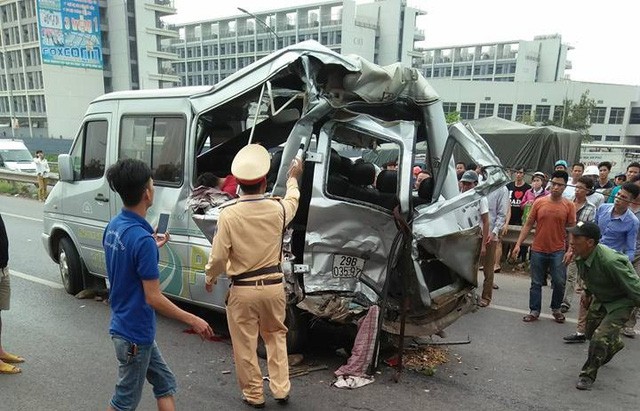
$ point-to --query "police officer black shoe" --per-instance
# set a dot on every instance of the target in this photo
(584, 383)
(575, 338)
(253, 404)
(283, 401)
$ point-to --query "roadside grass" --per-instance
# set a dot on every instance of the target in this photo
(14, 188)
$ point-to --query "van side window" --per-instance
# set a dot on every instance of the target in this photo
(159, 142)
(90, 152)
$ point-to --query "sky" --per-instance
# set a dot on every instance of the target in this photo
(602, 34)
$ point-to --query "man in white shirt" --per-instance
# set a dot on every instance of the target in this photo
(488, 251)
(42, 170)
(576, 172)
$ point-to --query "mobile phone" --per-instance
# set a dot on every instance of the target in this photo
(163, 223)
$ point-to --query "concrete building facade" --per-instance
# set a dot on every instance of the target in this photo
(382, 31)
(543, 59)
(48, 100)
(616, 118)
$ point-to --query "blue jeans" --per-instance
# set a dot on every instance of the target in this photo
(540, 262)
(133, 369)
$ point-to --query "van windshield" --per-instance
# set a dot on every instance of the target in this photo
(18, 155)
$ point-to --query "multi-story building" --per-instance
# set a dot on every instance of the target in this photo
(526, 81)
(541, 60)
(616, 118)
(58, 55)
(382, 31)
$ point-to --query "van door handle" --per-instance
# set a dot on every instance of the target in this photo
(101, 197)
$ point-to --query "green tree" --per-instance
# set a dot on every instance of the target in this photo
(576, 116)
(452, 117)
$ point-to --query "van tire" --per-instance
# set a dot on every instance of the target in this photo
(71, 272)
(297, 335)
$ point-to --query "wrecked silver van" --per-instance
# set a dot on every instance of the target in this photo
(360, 238)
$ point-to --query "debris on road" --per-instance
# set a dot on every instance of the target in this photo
(424, 360)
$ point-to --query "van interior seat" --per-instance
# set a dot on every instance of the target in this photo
(337, 184)
(387, 181)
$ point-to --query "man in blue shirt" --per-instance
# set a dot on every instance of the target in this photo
(618, 224)
(131, 253)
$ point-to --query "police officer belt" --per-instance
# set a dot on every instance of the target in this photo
(238, 279)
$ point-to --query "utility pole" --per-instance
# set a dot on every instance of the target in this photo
(276, 38)
(6, 74)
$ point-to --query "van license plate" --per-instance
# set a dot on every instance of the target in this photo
(346, 266)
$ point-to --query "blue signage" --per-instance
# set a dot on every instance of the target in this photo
(70, 33)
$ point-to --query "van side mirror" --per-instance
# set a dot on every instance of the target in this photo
(65, 167)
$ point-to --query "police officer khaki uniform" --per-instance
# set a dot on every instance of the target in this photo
(248, 248)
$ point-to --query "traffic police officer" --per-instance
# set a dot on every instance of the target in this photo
(610, 278)
(248, 248)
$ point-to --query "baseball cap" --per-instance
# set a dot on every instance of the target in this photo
(620, 175)
(590, 171)
(469, 176)
(561, 163)
(586, 229)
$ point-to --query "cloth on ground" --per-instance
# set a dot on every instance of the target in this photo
(353, 374)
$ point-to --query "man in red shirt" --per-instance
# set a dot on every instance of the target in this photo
(552, 215)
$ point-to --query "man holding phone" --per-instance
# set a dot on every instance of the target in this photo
(131, 253)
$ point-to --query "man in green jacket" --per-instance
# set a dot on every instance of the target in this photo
(610, 278)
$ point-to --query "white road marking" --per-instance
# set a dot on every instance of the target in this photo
(525, 312)
(21, 216)
(36, 279)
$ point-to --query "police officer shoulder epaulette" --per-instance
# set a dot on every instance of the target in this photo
(228, 204)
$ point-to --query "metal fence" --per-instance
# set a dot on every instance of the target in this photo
(19, 177)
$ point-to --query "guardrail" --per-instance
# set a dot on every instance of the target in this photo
(20, 177)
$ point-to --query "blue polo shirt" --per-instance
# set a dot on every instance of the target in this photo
(618, 233)
(132, 256)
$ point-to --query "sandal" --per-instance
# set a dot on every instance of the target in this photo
(529, 318)
(483, 303)
(11, 358)
(9, 369)
(558, 317)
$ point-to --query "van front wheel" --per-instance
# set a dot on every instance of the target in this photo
(70, 266)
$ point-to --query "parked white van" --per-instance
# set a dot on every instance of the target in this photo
(356, 241)
(15, 156)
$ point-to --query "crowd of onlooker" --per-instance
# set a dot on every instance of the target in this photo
(591, 191)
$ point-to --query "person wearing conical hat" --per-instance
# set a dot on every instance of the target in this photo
(248, 248)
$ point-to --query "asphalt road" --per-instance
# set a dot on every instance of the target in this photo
(509, 365)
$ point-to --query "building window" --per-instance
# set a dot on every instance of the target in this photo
(612, 138)
(599, 113)
(596, 138)
(635, 140)
(616, 115)
(542, 113)
(505, 111)
(558, 112)
(467, 111)
(635, 116)
(486, 110)
(523, 110)
(449, 107)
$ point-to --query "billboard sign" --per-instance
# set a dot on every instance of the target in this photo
(70, 33)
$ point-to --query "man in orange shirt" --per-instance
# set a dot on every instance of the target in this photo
(552, 215)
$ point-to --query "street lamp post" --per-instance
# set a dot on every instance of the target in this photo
(6, 74)
(276, 38)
